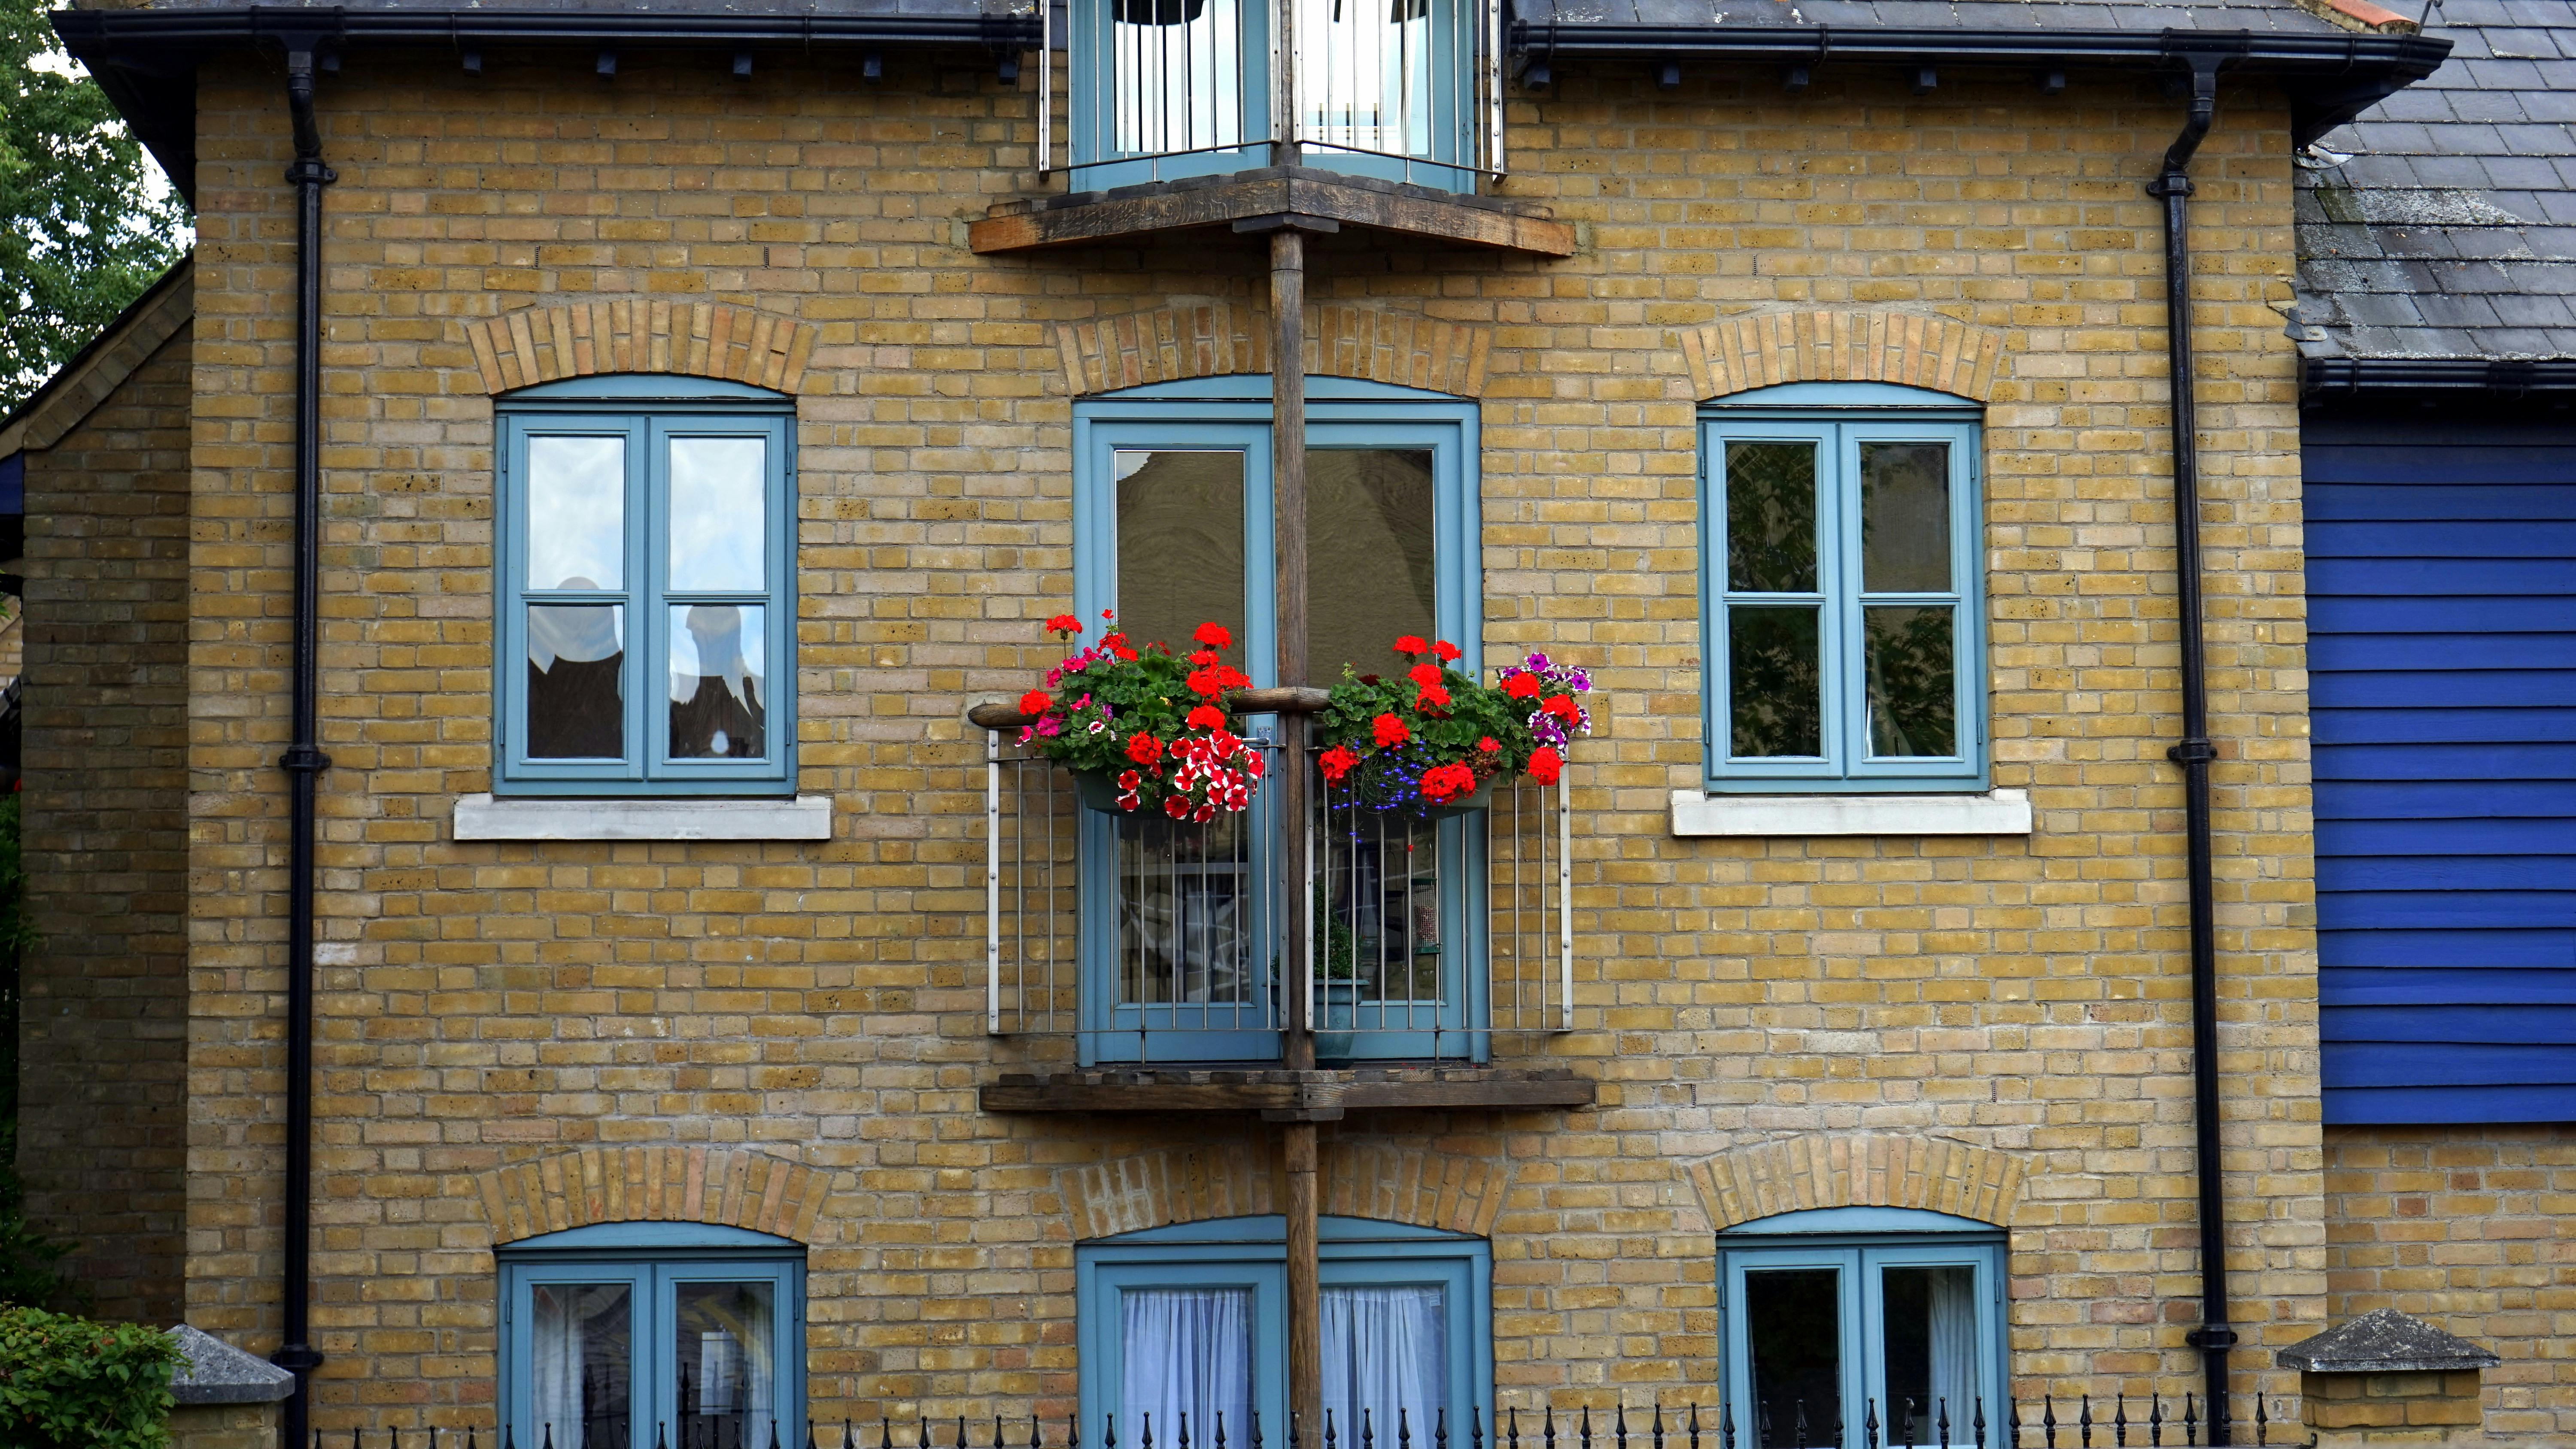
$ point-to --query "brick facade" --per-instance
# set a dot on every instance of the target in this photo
(103, 1034)
(2473, 1229)
(1982, 1025)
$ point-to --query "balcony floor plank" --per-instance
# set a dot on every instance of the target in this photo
(1291, 1095)
(1325, 200)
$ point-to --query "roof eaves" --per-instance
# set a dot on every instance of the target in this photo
(79, 385)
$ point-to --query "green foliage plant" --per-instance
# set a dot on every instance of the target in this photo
(1432, 736)
(1154, 726)
(69, 1383)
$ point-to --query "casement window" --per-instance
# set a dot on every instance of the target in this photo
(1842, 578)
(646, 589)
(1193, 1320)
(1172, 527)
(633, 1335)
(1836, 1317)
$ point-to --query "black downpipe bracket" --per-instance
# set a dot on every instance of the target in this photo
(303, 761)
(2214, 1337)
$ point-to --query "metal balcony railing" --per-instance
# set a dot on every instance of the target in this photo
(1408, 90)
(1151, 940)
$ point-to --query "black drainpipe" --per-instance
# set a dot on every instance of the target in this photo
(2214, 1337)
(303, 761)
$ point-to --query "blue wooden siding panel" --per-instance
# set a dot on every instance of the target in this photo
(2442, 598)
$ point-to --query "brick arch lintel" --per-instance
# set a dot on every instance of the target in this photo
(1361, 1179)
(641, 334)
(1792, 1174)
(1170, 344)
(728, 1187)
(1737, 354)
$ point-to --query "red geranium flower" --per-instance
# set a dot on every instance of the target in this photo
(1214, 636)
(1203, 658)
(1444, 650)
(1563, 707)
(1337, 762)
(1442, 783)
(1424, 674)
(1065, 624)
(1035, 702)
(1410, 645)
(1388, 730)
(1522, 686)
(1488, 746)
(1143, 748)
(1545, 765)
(1431, 697)
(1206, 717)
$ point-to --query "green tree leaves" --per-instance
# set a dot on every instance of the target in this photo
(81, 232)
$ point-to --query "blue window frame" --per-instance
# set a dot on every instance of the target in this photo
(1194, 1319)
(1181, 968)
(1834, 1315)
(629, 1335)
(1842, 578)
(646, 588)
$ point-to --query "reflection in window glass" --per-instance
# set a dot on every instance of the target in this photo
(1185, 908)
(723, 1334)
(582, 1363)
(1774, 686)
(1364, 75)
(1377, 918)
(1930, 1354)
(576, 699)
(576, 513)
(717, 512)
(1180, 545)
(1905, 518)
(1913, 681)
(1771, 518)
(1792, 1324)
(1386, 1359)
(719, 692)
(1369, 566)
(1186, 1351)
(1176, 75)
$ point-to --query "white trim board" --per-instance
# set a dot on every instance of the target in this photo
(1998, 812)
(482, 817)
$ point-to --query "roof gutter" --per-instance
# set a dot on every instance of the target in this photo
(2331, 78)
(2325, 379)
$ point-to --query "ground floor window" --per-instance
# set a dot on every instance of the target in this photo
(1186, 1329)
(1841, 1317)
(633, 1335)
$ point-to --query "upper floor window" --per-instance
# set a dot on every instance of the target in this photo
(647, 599)
(1842, 575)
(1193, 1320)
(628, 1335)
(1397, 89)
(1835, 1317)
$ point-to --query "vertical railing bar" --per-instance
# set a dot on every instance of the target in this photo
(1494, 84)
(1046, 87)
(1565, 902)
(993, 883)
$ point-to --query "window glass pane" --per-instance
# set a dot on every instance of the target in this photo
(1369, 570)
(1774, 687)
(1185, 1351)
(1386, 1350)
(1793, 1335)
(726, 1338)
(1913, 682)
(1905, 518)
(576, 704)
(1930, 1354)
(1180, 544)
(1185, 904)
(1364, 74)
(719, 681)
(1176, 75)
(581, 1363)
(719, 512)
(1377, 916)
(1771, 518)
(576, 513)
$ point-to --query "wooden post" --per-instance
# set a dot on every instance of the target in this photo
(1305, 1297)
(1284, 150)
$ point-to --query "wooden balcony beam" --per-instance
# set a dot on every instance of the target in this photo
(1300, 197)
(1283, 1095)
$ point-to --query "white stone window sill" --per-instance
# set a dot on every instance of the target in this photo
(482, 817)
(1997, 812)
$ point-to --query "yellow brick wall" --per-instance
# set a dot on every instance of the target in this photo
(2015, 1007)
(2474, 1230)
(103, 1035)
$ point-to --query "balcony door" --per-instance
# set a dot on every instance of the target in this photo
(1183, 927)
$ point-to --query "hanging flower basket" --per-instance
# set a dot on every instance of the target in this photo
(1432, 742)
(1142, 730)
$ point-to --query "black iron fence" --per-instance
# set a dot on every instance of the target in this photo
(2141, 1420)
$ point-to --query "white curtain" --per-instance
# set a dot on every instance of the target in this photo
(1187, 1351)
(1385, 1350)
(1954, 1355)
(580, 1334)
